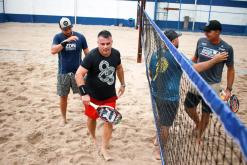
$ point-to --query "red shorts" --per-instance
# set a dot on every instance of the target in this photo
(92, 113)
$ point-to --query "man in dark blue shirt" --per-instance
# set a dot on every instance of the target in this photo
(68, 45)
(207, 48)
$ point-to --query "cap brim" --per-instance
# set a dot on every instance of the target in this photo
(179, 34)
(205, 29)
(70, 26)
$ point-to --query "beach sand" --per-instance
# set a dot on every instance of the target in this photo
(29, 110)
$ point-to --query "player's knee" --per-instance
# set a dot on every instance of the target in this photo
(90, 120)
(189, 109)
(108, 125)
(205, 117)
(63, 98)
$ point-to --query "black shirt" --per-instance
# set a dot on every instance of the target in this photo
(101, 76)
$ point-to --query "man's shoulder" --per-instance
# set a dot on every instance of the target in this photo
(202, 39)
(226, 45)
(58, 38)
(115, 51)
(80, 35)
(60, 34)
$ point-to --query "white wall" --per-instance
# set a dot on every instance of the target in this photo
(90, 8)
(232, 18)
(107, 9)
(1, 6)
(122, 9)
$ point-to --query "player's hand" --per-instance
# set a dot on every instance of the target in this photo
(121, 91)
(227, 94)
(72, 38)
(220, 57)
(85, 99)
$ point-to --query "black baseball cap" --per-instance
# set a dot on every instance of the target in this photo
(212, 25)
(171, 34)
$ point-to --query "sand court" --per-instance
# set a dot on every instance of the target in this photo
(29, 110)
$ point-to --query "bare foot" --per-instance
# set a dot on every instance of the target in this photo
(195, 132)
(199, 140)
(95, 142)
(107, 146)
(105, 154)
(155, 141)
(63, 122)
(157, 153)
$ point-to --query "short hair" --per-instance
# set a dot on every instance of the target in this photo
(105, 34)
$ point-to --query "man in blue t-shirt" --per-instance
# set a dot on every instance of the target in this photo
(68, 45)
(206, 49)
(165, 75)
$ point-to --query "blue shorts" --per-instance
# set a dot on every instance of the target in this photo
(167, 111)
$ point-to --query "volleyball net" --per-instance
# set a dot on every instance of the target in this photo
(187, 132)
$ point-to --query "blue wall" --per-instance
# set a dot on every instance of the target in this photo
(227, 29)
(230, 3)
(80, 20)
(2, 17)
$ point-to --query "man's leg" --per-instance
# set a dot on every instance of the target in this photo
(193, 115)
(107, 133)
(164, 138)
(190, 103)
(92, 115)
(63, 107)
(204, 120)
(167, 111)
(63, 89)
(165, 134)
(91, 124)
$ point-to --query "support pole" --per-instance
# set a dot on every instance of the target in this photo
(155, 9)
(195, 14)
(3, 7)
(179, 16)
(137, 14)
(210, 8)
(139, 53)
(75, 11)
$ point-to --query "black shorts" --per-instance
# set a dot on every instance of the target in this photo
(192, 100)
(167, 111)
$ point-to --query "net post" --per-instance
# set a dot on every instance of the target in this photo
(140, 20)
(75, 12)
(137, 15)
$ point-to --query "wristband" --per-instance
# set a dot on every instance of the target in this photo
(123, 85)
(83, 90)
(64, 43)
